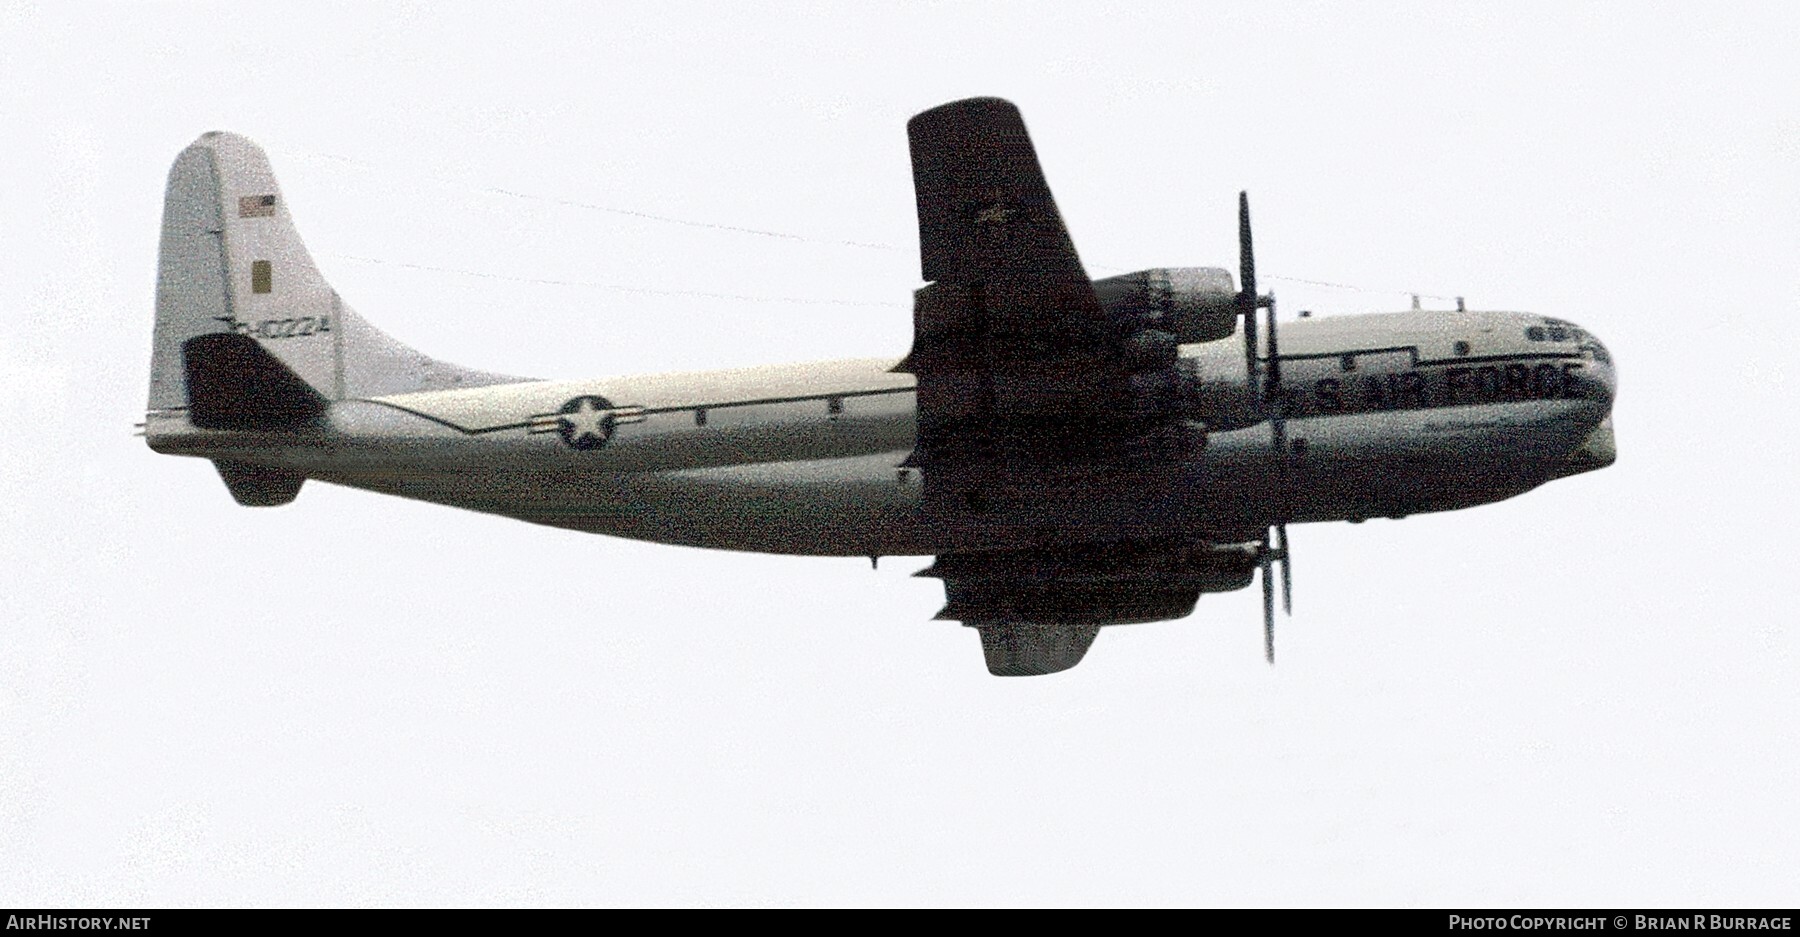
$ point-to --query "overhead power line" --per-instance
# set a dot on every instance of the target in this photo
(715, 226)
(620, 287)
(608, 209)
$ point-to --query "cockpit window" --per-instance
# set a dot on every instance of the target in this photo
(1556, 330)
(1560, 332)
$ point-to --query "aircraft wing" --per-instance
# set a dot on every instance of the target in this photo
(1040, 408)
(985, 211)
(1038, 609)
(1023, 375)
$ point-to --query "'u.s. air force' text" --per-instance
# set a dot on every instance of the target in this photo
(1450, 386)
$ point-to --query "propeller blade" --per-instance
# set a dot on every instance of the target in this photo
(1274, 400)
(1246, 252)
(1267, 394)
(1287, 578)
(1268, 584)
(1246, 298)
(1272, 375)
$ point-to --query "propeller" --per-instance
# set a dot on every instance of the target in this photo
(1271, 403)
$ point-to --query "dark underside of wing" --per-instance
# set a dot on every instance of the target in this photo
(1028, 387)
(1038, 610)
(1039, 408)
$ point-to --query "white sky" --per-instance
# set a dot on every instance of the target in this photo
(1584, 696)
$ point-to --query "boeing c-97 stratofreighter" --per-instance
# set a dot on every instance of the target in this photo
(1075, 453)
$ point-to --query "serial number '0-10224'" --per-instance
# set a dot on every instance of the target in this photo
(297, 327)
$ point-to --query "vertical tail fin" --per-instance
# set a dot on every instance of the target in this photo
(232, 262)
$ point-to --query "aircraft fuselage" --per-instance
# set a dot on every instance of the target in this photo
(1388, 415)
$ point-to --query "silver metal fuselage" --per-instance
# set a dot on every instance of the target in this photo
(1389, 415)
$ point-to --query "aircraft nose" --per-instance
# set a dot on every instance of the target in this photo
(1590, 375)
(1598, 380)
(1593, 379)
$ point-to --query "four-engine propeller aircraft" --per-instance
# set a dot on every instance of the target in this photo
(1076, 453)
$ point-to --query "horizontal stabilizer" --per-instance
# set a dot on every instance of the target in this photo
(234, 383)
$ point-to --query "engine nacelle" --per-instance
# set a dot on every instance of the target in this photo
(1194, 304)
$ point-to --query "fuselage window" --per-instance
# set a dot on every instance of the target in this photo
(1535, 333)
(1462, 348)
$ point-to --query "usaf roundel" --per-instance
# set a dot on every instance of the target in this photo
(586, 422)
